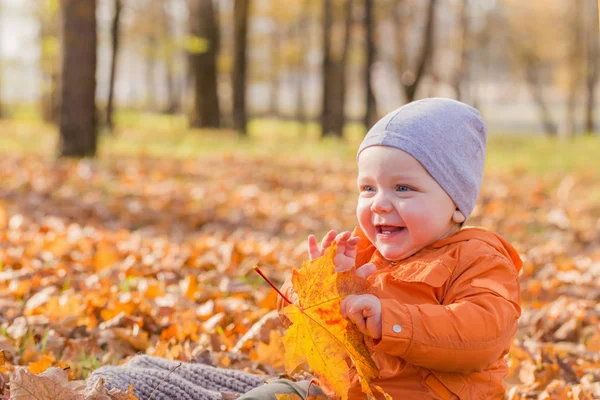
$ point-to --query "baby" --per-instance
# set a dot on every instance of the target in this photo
(445, 299)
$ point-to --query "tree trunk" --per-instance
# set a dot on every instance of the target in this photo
(78, 135)
(592, 44)
(49, 64)
(113, 63)
(575, 60)
(410, 82)
(239, 65)
(173, 92)
(150, 67)
(333, 117)
(535, 87)
(275, 67)
(326, 68)
(207, 112)
(463, 63)
(303, 37)
(370, 105)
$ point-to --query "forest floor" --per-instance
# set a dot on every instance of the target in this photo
(150, 247)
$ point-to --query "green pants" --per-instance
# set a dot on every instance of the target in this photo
(281, 386)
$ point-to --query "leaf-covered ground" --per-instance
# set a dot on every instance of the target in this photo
(100, 260)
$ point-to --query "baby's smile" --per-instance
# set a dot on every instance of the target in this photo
(388, 229)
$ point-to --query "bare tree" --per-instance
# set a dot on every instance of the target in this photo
(239, 65)
(592, 43)
(49, 20)
(411, 77)
(276, 64)
(530, 40)
(115, 36)
(370, 105)
(532, 68)
(462, 69)
(334, 73)
(303, 36)
(173, 90)
(575, 62)
(204, 25)
(78, 133)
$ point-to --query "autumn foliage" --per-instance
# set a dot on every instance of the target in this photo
(104, 259)
(319, 335)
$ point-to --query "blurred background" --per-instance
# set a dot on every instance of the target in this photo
(531, 67)
(225, 131)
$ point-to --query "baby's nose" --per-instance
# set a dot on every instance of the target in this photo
(381, 204)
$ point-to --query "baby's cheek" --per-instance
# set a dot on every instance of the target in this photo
(363, 216)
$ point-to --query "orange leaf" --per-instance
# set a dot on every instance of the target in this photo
(3, 217)
(320, 335)
(39, 366)
(271, 354)
(190, 286)
(105, 256)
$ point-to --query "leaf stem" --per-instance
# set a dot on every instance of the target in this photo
(258, 271)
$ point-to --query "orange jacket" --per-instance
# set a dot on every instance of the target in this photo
(449, 313)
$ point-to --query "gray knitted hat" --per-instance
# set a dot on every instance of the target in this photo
(446, 136)
(188, 382)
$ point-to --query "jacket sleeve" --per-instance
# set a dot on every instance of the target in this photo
(471, 329)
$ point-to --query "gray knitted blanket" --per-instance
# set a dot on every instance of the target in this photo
(188, 382)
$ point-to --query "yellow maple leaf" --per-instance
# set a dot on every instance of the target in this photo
(320, 336)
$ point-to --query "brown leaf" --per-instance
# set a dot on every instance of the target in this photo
(99, 392)
(52, 384)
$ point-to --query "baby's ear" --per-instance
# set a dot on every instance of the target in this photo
(458, 217)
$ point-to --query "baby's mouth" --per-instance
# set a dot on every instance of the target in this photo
(388, 229)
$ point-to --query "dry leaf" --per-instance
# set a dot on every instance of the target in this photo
(271, 354)
(320, 336)
(52, 384)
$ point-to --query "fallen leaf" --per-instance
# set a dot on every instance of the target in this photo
(51, 384)
(99, 392)
(39, 366)
(320, 336)
(272, 353)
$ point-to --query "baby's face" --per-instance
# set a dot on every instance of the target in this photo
(401, 208)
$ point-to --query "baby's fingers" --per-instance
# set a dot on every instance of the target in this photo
(366, 270)
(327, 240)
(313, 248)
(342, 240)
(352, 246)
(351, 310)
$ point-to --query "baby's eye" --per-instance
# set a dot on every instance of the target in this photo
(367, 188)
(402, 188)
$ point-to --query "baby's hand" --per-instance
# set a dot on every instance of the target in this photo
(364, 310)
(345, 253)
